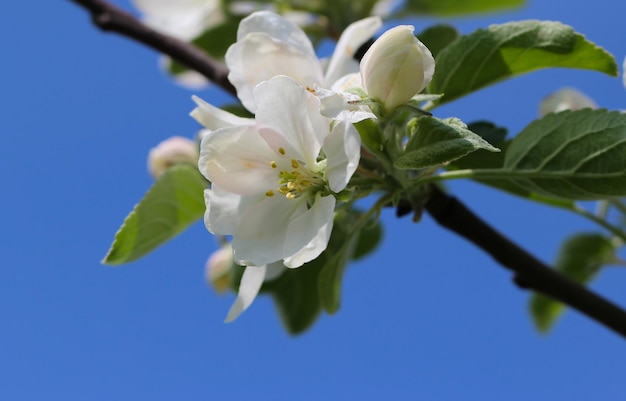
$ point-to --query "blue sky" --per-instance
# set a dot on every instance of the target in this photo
(426, 317)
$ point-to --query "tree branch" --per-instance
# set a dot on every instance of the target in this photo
(530, 273)
(112, 19)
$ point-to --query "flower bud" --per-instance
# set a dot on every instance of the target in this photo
(218, 268)
(396, 67)
(565, 99)
(169, 152)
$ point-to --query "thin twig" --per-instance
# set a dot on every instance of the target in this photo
(530, 273)
(112, 19)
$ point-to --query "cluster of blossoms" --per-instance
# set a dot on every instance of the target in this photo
(275, 178)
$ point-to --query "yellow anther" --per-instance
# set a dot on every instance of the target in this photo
(283, 190)
(294, 163)
(290, 196)
(281, 151)
(273, 164)
(269, 193)
(310, 89)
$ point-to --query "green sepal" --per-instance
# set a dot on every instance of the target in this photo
(433, 141)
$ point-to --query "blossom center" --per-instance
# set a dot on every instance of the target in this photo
(296, 178)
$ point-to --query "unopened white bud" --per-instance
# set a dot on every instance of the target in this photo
(218, 268)
(396, 67)
(565, 99)
(169, 152)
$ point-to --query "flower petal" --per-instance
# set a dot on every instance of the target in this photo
(262, 228)
(249, 287)
(343, 152)
(238, 160)
(288, 116)
(342, 61)
(308, 234)
(277, 27)
(259, 57)
(224, 210)
(214, 118)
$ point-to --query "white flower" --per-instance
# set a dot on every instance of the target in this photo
(396, 67)
(169, 152)
(273, 182)
(565, 99)
(269, 45)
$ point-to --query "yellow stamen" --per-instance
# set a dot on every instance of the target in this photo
(294, 163)
(281, 151)
(273, 164)
(269, 193)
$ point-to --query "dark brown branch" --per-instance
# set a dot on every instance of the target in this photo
(530, 273)
(110, 18)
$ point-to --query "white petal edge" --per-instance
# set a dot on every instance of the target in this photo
(213, 118)
(258, 57)
(277, 27)
(343, 152)
(308, 234)
(249, 287)
(342, 62)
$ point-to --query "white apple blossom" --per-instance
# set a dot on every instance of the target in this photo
(268, 45)
(396, 67)
(273, 181)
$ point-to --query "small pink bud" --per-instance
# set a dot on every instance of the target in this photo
(169, 152)
(218, 268)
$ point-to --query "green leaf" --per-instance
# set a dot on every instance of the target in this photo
(502, 51)
(296, 297)
(174, 202)
(573, 154)
(459, 7)
(437, 37)
(483, 159)
(368, 239)
(433, 141)
(580, 258)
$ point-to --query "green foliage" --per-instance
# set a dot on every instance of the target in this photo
(433, 141)
(573, 155)
(170, 206)
(458, 7)
(483, 159)
(580, 258)
(502, 51)
(437, 37)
